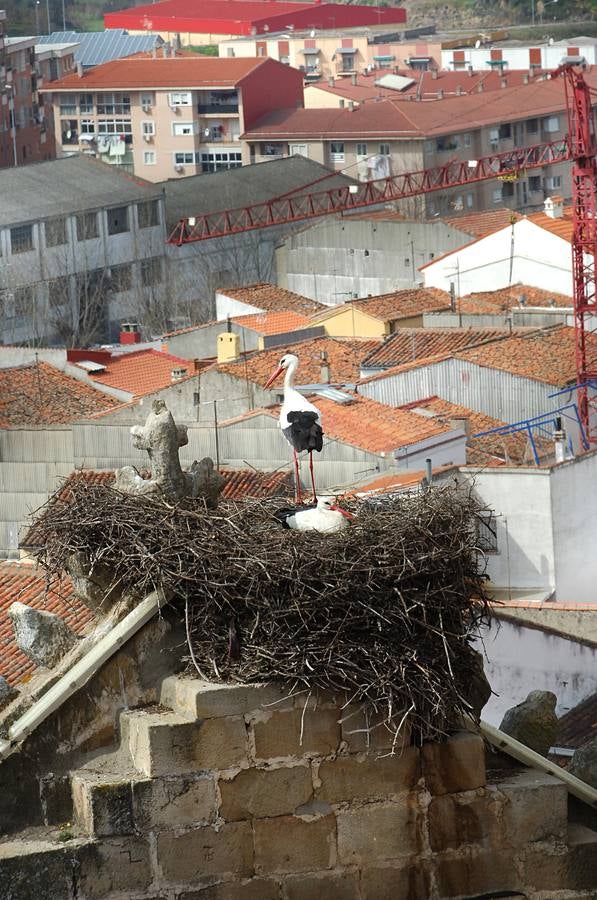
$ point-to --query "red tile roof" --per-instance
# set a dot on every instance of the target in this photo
(274, 322)
(39, 394)
(547, 355)
(141, 372)
(138, 73)
(343, 358)
(248, 483)
(272, 298)
(396, 305)
(562, 227)
(579, 725)
(28, 585)
(507, 298)
(408, 344)
(395, 118)
(479, 224)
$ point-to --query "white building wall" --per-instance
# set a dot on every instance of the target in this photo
(574, 513)
(537, 258)
(518, 57)
(521, 659)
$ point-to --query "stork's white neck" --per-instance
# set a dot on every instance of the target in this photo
(289, 376)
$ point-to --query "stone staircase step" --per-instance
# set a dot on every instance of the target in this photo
(39, 866)
(102, 804)
(197, 699)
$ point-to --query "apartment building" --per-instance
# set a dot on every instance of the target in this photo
(169, 117)
(322, 55)
(394, 136)
(507, 55)
(82, 248)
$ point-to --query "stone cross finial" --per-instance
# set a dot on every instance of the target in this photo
(162, 438)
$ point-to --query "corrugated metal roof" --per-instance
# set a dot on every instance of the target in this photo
(96, 47)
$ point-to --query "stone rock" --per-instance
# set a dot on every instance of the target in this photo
(162, 438)
(7, 693)
(478, 690)
(41, 636)
(533, 722)
(584, 763)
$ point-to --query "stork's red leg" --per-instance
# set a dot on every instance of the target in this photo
(312, 476)
(297, 480)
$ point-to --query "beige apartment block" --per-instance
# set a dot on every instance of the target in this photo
(169, 117)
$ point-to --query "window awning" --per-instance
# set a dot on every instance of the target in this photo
(413, 59)
(495, 62)
(346, 50)
(386, 56)
(310, 51)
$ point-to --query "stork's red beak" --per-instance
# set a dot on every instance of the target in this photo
(273, 377)
(345, 513)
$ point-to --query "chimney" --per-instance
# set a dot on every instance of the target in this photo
(331, 81)
(325, 368)
(353, 78)
(351, 105)
(559, 441)
(459, 90)
(434, 74)
(522, 299)
(440, 95)
(525, 79)
(554, 207)
(177, 373)
(130, 333)
(80, 69)
(228, 346)
(470, 71)
(480, 87)
(428, 473)
(504, 82)
(462, 423)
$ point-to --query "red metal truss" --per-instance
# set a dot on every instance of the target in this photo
(583, 150)
(282, 210)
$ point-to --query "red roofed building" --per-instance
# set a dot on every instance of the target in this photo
(210, 21)
(134, 374)
(169, 116)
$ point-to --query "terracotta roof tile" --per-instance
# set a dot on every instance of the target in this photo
(273, 321)
(28, 585)
(141, 372)
(478, 224)
(509, 297)
(248, 483)
(39, 394)
(547, 355)
(579, 725)
(395, 305)
(343, 358)
(562, 227)
(270, 297)
(178, 72)
(408, 344)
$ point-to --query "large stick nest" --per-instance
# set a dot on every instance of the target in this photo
(385, 611)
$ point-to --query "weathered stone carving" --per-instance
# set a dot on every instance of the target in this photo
(162, 438)
(533, 722)
(7, 693)
(41, 636)
(584, 763)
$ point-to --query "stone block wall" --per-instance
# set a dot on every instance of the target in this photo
(242, 793)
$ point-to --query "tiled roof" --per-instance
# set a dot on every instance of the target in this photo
(142, 72)
(407, 344)
(547, 355)
(248, 483)
(562, 227)
(395, 118)
(343, 358)
(510, 449)
(274, 322)
(39, 394)
(478, 224)
(506, 298)
(374, 426)
(272, 298)
(141, 372)
(28, 585)
(395, 305)
(579, 725)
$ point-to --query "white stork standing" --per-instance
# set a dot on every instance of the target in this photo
(299, 420)
(327, 516)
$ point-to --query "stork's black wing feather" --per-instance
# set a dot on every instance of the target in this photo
(304, 432)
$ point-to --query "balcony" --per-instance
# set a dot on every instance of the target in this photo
(217, 109)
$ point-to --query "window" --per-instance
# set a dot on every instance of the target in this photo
(23, 300)
(114, 126)
(68, 105)
(180, 98)
(220, 161)
(271, 149)
(505, 131)
(551, 124)
(113, 104)
(384, 149)
(149, 158)
(87, 226)
(348, 62)
(151, 271)
(507, 190)
(553, 182)
(148, 213)
(447, 143)
(118, 220)
(184, 159)
(487, 532)
(470, 201)
(494, 136)
(532, 126)
(534, 184)
(58, 291)
(429, 146)
(85, 103)
(148, 128)
(21, 238)
(497, 195)
(147, 100)
(466, 140)
(361, 149)
(55, 232)
(87, 126)
(181, 128)
(68, 131)
(336, 151)
(122, 278)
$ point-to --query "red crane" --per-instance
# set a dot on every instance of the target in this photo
(583, 151)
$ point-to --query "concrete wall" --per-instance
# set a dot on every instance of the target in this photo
(533, 317)
(521, 659)
(201, 343)
(339, 259)
(574, 512)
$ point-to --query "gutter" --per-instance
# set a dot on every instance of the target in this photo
(80, 673)
(502, 741)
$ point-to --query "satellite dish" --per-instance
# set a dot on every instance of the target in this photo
(477, 44)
